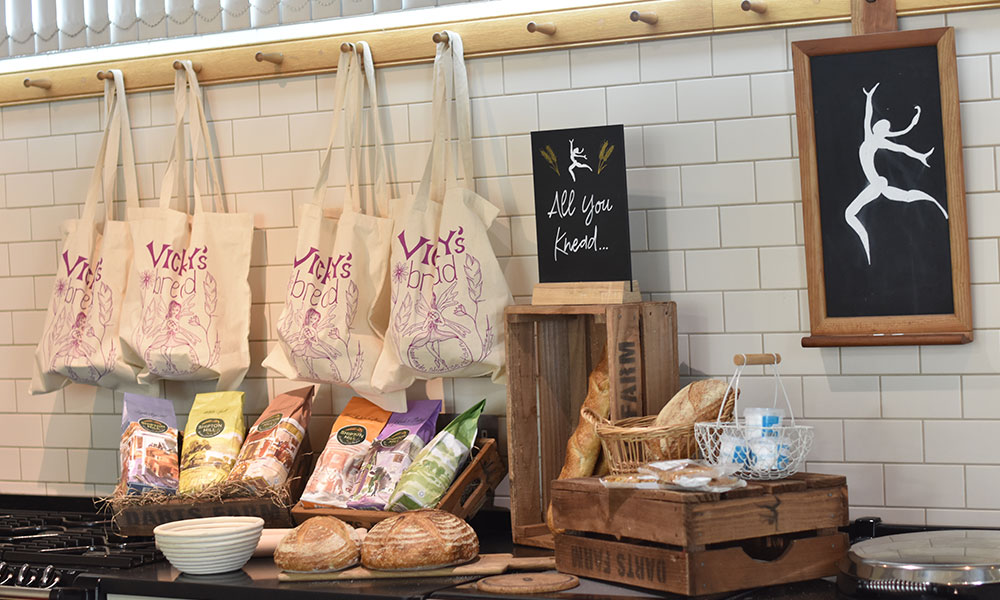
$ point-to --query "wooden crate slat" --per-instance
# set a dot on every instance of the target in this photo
(560, 392)
(522, 409)
(697, 573)
(625, 358)
(659, 324)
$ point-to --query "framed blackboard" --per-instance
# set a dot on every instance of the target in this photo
(883, 189)
(581, 204)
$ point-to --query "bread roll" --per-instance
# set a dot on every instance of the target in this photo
(417, 540)
(698, 401)
(584, 447)
(321, 544)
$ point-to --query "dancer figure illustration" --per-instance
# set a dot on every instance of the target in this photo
(574, 154)
(435, 327)
(877, 138)
(172, 334)
(76, 348)
(307, 346)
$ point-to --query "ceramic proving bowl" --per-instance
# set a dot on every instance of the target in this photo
(209, 546)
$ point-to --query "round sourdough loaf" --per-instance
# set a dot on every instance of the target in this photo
(419, 539)
(698, 401)
(321, 544)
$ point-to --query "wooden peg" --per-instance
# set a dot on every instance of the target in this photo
(349, 47)
(756, 359)
(646, 17)
(45, 84)
(275, 58)
(102, 75)
(546, 28)
(757, 6)
(180, 66)
(441, 36)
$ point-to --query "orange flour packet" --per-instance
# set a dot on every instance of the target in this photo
(336, 475)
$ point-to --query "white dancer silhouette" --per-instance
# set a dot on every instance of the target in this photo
(877, 138)
(575, 153)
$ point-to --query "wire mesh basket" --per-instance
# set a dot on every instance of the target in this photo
(763, 449)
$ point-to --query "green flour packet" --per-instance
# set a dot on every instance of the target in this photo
(425, 481)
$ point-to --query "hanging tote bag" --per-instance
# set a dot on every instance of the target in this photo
(326, 332)
(187, 307)
(448, 292)
(79, 341)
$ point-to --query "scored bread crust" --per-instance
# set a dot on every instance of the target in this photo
(318, 545)
(419, 539)
(698, 401)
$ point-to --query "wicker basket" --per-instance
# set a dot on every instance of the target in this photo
(636, 441)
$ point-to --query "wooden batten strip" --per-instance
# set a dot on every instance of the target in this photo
(494, 36)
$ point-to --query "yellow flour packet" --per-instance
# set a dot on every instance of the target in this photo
(212, 440)
(336, 475)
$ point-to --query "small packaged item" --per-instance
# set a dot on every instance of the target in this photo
(273, 442)
(426, 480)
(336, 475)
(149, 445)
(692, 475)
(403, 437)
(763, 422)
(212, 440)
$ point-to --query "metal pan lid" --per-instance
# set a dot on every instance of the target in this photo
(947, 557)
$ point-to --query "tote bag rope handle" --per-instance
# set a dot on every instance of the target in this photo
(187, 81)
(344, 64)
(354, 115)
(451, 80)
(100, 175)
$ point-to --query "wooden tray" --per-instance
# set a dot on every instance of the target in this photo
(485, 564)
(550, 352)
(464, 498)
(140, 520)
(702, 543)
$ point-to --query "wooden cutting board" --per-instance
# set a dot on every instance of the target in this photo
(486, 564)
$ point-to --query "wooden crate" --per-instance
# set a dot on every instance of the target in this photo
(140, 520)
(550, 352)
(467, 494)
(700, 543)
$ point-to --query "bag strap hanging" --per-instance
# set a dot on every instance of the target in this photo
(451, 81)
(354, 143)
(117, 134)
(187, 95)
(340, 91)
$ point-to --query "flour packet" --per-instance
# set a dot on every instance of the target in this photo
(336, 473)
(425, 482)
(212, 440)
(274, 440)
(148, 445)
(402, 438)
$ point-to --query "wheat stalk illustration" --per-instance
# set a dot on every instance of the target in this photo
(550, 157)
(602, 157)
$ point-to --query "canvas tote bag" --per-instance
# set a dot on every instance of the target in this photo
(448, 292)
(79, 341)
(326, 332)
(187, 307)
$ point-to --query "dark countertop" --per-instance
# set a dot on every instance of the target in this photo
(258, 580)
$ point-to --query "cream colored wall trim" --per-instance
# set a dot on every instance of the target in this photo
(495, 35)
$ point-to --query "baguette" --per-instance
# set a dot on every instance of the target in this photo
(584, 447)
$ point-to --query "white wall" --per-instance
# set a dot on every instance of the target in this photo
(716, 222)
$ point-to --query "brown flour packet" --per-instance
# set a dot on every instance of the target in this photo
(148, 445)
(274, 440)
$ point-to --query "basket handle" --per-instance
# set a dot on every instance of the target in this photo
(593, 418)
(756, 359)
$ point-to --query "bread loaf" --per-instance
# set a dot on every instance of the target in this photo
(584, 447)
(419, 539)
(698, 401)
(321, 544)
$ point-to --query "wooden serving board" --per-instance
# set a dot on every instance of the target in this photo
(486, 564)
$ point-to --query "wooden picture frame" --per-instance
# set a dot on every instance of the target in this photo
(879, 270)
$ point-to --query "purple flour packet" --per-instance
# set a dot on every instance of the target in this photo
(149, 445)
(401, 439)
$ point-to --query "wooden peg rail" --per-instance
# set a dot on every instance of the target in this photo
(576, 27)
(756, 359)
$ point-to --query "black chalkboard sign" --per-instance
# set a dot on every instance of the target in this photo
(883, 192)
(581, 204)
(883, 198)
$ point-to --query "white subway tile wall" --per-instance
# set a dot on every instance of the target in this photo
(715, 205)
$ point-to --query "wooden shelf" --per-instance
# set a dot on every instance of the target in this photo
(576, 27)
(907, 339)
